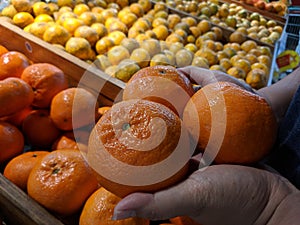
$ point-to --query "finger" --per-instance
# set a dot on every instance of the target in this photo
(161, 205)
(199, 75)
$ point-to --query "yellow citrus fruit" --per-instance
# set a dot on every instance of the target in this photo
(125, 69)
(88, 18)
(243, 64)
(22, 5)
(80, 8)
(87, 32)
(104, 45)
(71, 24)
(256, 78)
(117, 36)
(79, 47)
(43, 18)
(100, 29)
(141, 57)
(236, 72)
(56, 34)
(160, 59)
(41, 8)
(9, 11)
(68, 3)
(117, 53)
(22, 19)
(38, 28)
(248, 45)
(161, 32)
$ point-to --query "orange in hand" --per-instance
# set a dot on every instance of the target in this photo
(12, 64)
(239, 124)
(162, 84)
(18, 169)
(135, 147)
(11, 141)
(98, 210)
(46, 80)
(62, 181)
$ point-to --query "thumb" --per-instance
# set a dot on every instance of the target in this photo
(161, 205)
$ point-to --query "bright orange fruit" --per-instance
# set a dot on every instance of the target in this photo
(46, 80)
(11, 141)
(62, 181)
(15, 95)
(240, 124)
(162, 84)
(98, 210)
(133, 142)
(18, 169)
(12, 64)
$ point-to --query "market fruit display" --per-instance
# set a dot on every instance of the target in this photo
(105, 34)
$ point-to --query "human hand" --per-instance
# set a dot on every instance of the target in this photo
(219, 194)
(204, 77)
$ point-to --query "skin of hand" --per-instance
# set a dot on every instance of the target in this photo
(219, 194)
(226, 194)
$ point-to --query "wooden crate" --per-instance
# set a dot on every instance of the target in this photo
(15, 205)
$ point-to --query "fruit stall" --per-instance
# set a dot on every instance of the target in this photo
(96, 47)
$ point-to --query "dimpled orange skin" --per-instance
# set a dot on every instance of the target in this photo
(62, 181)
(15, 95)
(106, 132)
(46, 80)
(250, 125)
(134, 90)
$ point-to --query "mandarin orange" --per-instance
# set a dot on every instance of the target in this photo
(62, 181)
(11, 141)
(15, 95)
(238, 124)
(12, 64)
(135, 147)
(70, 106)
(46, 80)
(163, 84)
(18, 169)
(18, 117)
(39, 130)
(98, 210)
(68, 141)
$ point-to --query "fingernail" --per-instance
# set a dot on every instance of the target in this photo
(118, 215)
